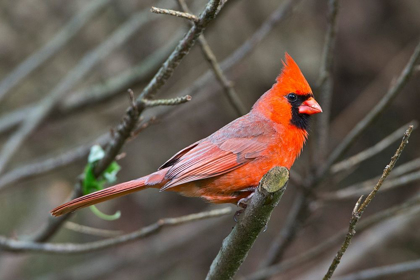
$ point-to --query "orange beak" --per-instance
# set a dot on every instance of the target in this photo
(310, 107)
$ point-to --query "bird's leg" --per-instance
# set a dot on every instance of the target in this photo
(243, 203)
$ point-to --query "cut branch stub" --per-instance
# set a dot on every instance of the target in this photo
(236, 246)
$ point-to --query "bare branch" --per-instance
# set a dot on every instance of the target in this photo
(69, 248)
(166, 102)
(236, 246)
(361, 206)
(325, 84)
(43, 108)
(185, 15)
(51, 47)
(373, 114)
(383, 271)
(227, 85)
(91, 231)
(370, 152)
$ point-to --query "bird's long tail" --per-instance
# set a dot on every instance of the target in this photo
(152, 180)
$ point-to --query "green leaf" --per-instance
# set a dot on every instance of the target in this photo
(92, 184)
(110, 173)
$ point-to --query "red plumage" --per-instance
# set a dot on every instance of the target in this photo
(227, 165)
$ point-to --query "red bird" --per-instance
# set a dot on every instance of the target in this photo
(227, 166)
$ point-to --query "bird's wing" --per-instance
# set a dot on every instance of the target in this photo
(229, 148)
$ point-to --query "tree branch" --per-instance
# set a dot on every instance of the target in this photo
(361, 206)
(185, 15)
(12, 245)
(166, 102)
(236, 246)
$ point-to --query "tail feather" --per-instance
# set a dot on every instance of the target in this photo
(101, 196)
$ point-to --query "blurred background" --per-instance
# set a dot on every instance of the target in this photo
(374, 42)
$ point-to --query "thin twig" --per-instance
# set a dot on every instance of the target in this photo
(227, 85)
(68, 248)
(185, 15)
(236, 246)
(43, 108)
(325, 84)
(383, 271)
(51, 47)
(370, 152)
(372, 115)
(91, 231)
(361, 206)
(166, 102)
(331, 242)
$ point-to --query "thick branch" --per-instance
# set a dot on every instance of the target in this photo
(236, 246)
(28, 246)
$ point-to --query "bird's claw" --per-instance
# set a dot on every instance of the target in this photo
(243, 203)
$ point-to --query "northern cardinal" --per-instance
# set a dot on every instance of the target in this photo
(227, 166)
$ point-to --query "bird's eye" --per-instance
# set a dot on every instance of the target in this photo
(292, 97)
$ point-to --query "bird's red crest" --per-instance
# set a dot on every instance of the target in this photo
(291, 78)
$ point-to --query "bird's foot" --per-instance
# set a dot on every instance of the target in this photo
(243, 203)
